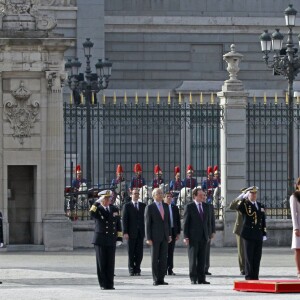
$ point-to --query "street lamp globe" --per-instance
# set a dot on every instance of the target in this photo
(76, 64)
(265, 41)
(87, 47)
(277, 39)
(290, 16)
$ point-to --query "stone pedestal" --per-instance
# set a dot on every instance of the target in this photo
(233, 99)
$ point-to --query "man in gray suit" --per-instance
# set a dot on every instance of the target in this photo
(196, 222)
(158, 235)
(237, 229)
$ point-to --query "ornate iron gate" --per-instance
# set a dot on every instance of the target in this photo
(168, 133)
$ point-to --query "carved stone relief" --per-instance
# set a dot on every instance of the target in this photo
(55, 80)
(21, 114)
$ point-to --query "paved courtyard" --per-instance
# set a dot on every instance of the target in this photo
(72, 275)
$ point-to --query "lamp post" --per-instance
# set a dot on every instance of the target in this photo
(84, 87)
(285, 62)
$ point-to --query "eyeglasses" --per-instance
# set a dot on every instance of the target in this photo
(136, 193)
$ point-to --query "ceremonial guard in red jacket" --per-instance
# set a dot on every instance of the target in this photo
(176, 185)
(79, 181)
(119, 185)
(217, 176)
(158, 180)
(209, 185)
(137, 181)
(190, 182)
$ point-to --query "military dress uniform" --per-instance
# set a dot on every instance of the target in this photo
(237, 229)
(253, 233)
(107, 233)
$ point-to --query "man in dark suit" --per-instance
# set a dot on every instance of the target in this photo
(253, 231)
(158, 235)
(134, 231)
(175, 229)
(196, 235)
(107, 235)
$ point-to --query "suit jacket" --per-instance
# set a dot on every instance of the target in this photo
(193, 227)
(254, 220)
(156, 228)
(107, 225)
(133, 220)
(176, 219)
(212, 220)
(238, 225)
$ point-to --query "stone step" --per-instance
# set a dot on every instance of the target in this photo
(25, 247)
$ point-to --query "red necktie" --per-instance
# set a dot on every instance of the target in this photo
(161, 210)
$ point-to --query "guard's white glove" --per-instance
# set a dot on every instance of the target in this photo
(118, 243)
(1, 245)
(264, 238)
(246, 195)
(241, 196)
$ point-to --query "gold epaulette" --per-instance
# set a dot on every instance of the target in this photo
(93, 208)
(120, 234)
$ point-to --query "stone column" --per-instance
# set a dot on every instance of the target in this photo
(55, 220)
(233, 99)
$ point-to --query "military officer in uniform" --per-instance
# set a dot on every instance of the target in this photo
(253, 231)
(238, 229)
(158, 180)
(107, 236)
(137, 181)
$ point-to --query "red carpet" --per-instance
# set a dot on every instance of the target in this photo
(268, 286)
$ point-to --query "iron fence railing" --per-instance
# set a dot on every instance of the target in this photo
(167, 133)
(267, 153)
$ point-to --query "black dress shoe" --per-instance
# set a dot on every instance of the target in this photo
(207, 273)
(131, 274)
(162, 283)
(171, 273)
(204, 282)
(110, 288)
(155, 283)
(193, 282)
(137, 274)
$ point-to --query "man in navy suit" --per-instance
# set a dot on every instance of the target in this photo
(134, 232)
(196, 222)
(175, 229)
(158, 235)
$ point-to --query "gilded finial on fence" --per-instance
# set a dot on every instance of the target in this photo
(191, 98)
(286, 98)
(254, 99)
(136, 98)
(125, 98)
(71, 97)
(212, 98)
(265, 98)
(81, 98)
(158, 100)
(115, 98)
(201, 98)
(103, 98)
(169, 98)
(93, 98)
(179, 98)
(276, 99)
(147, 98)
